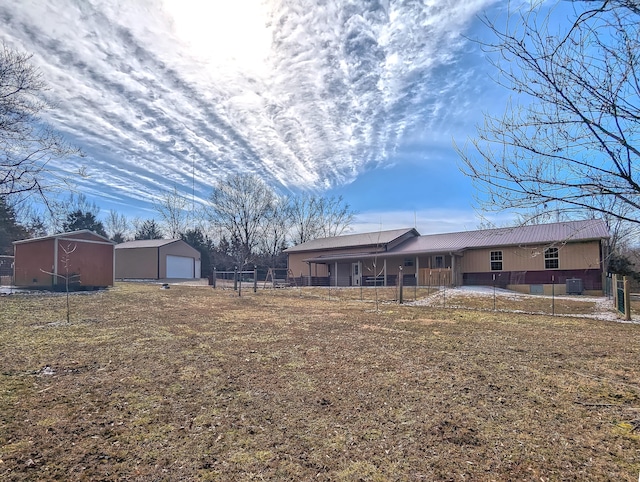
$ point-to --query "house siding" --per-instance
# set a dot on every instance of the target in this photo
(531, 258)
(298, 266)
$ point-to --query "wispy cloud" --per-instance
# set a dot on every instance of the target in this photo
(307, 94)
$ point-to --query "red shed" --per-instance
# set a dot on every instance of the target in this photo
(86, 257)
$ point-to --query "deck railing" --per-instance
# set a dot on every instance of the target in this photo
(435, 277)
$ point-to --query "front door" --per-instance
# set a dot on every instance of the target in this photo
(355, 274)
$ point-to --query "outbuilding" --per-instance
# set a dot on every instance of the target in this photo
(83, 258)
(157, 259)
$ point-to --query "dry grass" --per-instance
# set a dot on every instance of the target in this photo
(197, 384)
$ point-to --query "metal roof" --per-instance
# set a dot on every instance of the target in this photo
(562, 232)
(64, 235)
(146, 243)
(379, 238)
(568, 231)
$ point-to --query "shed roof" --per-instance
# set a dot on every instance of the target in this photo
(65, 235)
(379, 238)
(146, 243)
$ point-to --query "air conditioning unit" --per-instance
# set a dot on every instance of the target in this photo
(574, 286)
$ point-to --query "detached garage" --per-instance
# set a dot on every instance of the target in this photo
(157, 259)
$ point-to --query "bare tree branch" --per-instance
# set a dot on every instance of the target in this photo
(27, 144)
(574, 141)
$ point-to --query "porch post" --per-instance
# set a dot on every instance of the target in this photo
(453, 269)
(309, 263)
(336, 272)
(385, 272)
(417, 271)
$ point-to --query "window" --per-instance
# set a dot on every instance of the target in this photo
(408, 261)
(439, 262)
(551, 258)
(496, 260)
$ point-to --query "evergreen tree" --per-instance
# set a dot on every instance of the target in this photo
(10, 229)
(198, 240)
(148, 230)
(78, 220)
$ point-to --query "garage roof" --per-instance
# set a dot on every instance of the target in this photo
(146, 243)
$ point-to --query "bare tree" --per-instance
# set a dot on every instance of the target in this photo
(173, 209)
(117, 226)
(304, 214)
(318, 217)
(275, 229)
(572, 143)
(335, 216)
(239, 205)
(27, 144)
(68, 276)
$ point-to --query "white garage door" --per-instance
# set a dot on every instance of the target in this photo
(179, 267)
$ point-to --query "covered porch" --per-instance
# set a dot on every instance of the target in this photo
(381, 269)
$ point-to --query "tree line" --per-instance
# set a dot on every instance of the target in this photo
(245, 222)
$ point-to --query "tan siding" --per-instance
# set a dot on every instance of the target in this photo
(179, 249)
(137, 263)
(175, 249)
(297, 264)
(531, 258)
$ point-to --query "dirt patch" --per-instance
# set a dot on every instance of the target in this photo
(191, 383)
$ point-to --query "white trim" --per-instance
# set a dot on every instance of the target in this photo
(60, 235)
(90, 241)
(56, 247)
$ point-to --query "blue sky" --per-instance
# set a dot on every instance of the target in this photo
(359, 98)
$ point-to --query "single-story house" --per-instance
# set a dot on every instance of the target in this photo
(83, 257)
(157, 259)
(568, 255)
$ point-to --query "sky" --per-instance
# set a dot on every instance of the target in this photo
(357, 98)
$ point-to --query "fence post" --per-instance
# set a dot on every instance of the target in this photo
(627, 298)
(215, 277)
(494, 292)
(235, 278)
(553, 295)
(255, 279)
